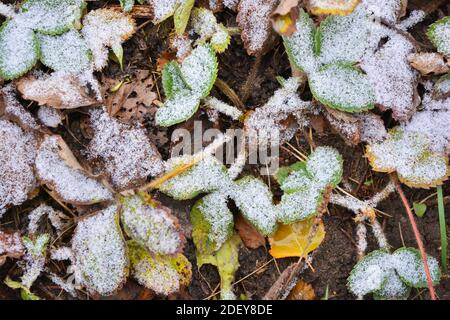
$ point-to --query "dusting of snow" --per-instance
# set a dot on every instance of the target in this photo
(11, 244)
(100, 252)
(17, 154)
(128, 155)
(15, 110)
(439, 34)
(162, 9)
(222, 107)
(386, 10)
(415, 17)
(34, 259)
(71, 184)
(49, 116)
(152, 226)
(40, 211)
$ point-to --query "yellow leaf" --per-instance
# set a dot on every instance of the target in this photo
(334, 7)
(291, 240)
(302, 291)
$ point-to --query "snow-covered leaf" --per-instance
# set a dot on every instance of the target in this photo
(296, 239)
(101, 263)
(127, 154)
(182, 14)
(163, 274)
(19, 50)
(103, 29)
(408, 264)
(254, 20)
(442, 86)
(11, 246)
(52, 16)
(66, 177)
(152, 225)
(206, 176)
(67, 52)
(212, 222)
(205, 24)
(342, 87)
(162, 9)
(409, 153)
(393, 289)
(333, 7)
(429, 63)
(60, 90)
(439, 34)
(17, 153)
(370, 273)
(254, 200)
(226, 259)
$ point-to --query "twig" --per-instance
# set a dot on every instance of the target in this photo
(416, 232)
(443, 229)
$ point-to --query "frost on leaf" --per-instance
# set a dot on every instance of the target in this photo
(67, 52)
(101, 263)
(409, 153)
(340, 7)
(391, 276)
(57, 167)
(342, 87)
(125, 151)
(227, 262)
(103, 29)
(162, 9)
(15, 111)
(409, 266)
(387, 10)
(369, 274)
(206, 176)
(19, 50)
(151, 225)
(254, 20)
(59, 90)
(442, 86)
(49, 116)
(305, 184)
(254, 200)
(17, 154)
(52, 16)
(34, 258)
(10, 246)
(212, 222)
(185, 84)
(35, 216)
(297, 239)
(163, 274)
(205, 25)
(439, 34)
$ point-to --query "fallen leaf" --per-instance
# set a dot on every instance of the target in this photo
(10, 246)
(250, 236)
(345, 124)
(302, 291)
(58, 90)
(333, 7)
(428, 63)
(292, 240)
(284, 17)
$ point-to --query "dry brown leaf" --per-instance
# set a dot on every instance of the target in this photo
(58, 90)
(302, 291)
(254, 20)
(10, 246)
(284, 17)
(345, 124)
(250, 236)
(138, 11)
(428, 63)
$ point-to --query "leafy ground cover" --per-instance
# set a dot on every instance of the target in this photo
(96, 203)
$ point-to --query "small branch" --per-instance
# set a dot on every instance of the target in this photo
(222, 107)
(361, 235)
(230, 93)
(416, 232)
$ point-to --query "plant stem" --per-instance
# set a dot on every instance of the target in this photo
(443, 229)
(416, 234)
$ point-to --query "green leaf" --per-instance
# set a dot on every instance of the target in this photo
(52, 16)
(254, 199)
(19, 50)
(212, 222)
(199, 70)
(300, 45)
(181, 15)
(164, 274)
(227, 262)
(419, 209)
(205, 25)
(206, 176)
(152, 225)
(37, 247)
(438, 34)
(370, 273)
(25, 293)
(177, 109)
(101, 263)
(118, 52)
(325, 164)
(67, 52)
(342, 87)
(172, 80)
(127, 5)
(409, 266)
(393, 289)
(342, 38)
(221, 39)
